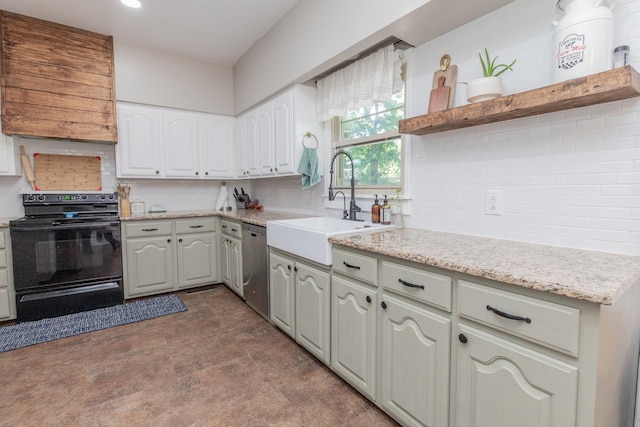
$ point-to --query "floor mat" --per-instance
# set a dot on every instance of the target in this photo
(39, 331)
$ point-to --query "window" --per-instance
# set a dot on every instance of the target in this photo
(370, 136)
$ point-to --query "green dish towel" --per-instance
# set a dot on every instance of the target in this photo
(308, 167)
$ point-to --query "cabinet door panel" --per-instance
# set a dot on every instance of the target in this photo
(5, 306)
(312, 317)
(150, 265)
(181, 144)
(216, 147)
(284, 143)
(282, 293)
(235, 265)
(252, 144)
(502, 384)
(139, 150)
(353, 334)
(266, 139)
(415, 364)
(197, 260)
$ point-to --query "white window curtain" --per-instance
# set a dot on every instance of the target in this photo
(361, 84)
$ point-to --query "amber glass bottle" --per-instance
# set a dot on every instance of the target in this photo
(375, 211)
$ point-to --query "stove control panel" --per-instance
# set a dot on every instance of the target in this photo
(64, 198)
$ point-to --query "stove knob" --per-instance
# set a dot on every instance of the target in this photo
(83, 196)
(103, 196)
(110, 196)
(31, 198)
(41, 198)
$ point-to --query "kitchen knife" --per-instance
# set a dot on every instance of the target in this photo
(243, 193)
(235, 190)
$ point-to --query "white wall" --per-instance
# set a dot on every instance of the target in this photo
(570, 178)
(150, 76)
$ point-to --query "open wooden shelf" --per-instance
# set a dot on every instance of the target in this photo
(613, 85)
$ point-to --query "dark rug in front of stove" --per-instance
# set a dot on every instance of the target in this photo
(39, 331)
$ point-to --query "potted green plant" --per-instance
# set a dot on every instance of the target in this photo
(489, 86)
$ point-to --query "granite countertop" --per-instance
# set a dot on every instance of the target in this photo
(250, 216)
(597, 277)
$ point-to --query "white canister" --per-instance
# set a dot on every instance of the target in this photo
(583, 39)
(137, 207)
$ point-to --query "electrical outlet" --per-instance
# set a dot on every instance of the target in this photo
(493, 202)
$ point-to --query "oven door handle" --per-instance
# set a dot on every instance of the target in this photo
(77, 225)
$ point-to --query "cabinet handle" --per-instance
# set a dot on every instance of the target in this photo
(168, 240)
(509, 316)
(295, 268)
(180, 240)
(197, 173)
(463, 338)
(368, 298)
(276, 169)
(234, 229)
(411, 285)
(350, 266)
(224, 226)
(196, 226)
(206, 173)
(383, 305)
(289, 267)
(149, 229)
(157, 172)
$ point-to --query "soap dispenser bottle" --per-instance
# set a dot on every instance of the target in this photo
(385, 211)
(375, 211)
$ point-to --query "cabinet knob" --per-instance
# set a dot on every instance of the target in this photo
(270, 169)
(463, 338)
(157, 172)
(289, 267)
(197, 173)
(276, 169)
(168, 240)
(383, 305)
(206, 173)
(295, 268)
(368, 298)
(180, 240)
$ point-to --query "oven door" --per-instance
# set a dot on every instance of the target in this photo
(54, 254)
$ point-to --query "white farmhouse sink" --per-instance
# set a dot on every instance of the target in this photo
(309, 237)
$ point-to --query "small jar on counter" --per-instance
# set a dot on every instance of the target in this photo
(620, 56)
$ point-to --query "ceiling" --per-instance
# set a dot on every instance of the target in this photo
(218, 31)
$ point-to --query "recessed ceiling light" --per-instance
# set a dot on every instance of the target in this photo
(131, 3)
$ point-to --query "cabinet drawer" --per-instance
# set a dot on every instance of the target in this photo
(145, 229)
(361, 267)
(424, 286)
(195, 225)
(231, 228)
(549, 324)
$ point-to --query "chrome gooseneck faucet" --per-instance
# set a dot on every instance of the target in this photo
(353, 208)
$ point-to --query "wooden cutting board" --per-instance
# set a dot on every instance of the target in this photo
(450, 74)
(439, 99)
(59, 172)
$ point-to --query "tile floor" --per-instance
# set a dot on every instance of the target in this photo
(217, 364)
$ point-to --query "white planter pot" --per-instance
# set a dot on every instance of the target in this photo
(484, 88)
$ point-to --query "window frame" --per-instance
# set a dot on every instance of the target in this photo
(339, 143)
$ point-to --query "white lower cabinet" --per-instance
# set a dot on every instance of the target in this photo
(415, 363)
(502, 384)
(353, 333)
(163, 256)
(231, 255)
(299, 302)
(7, 292)
(9, 164)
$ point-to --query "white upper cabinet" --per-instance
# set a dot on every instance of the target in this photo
(139, 151)
(167, 143)
(274, 131)
(216, 146)
(8, 157)
(181, 144)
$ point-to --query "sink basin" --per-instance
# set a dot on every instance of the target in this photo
(309, 237)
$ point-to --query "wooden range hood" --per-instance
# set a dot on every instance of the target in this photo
(56, 81)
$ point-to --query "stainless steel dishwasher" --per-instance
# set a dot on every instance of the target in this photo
(255, 269)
